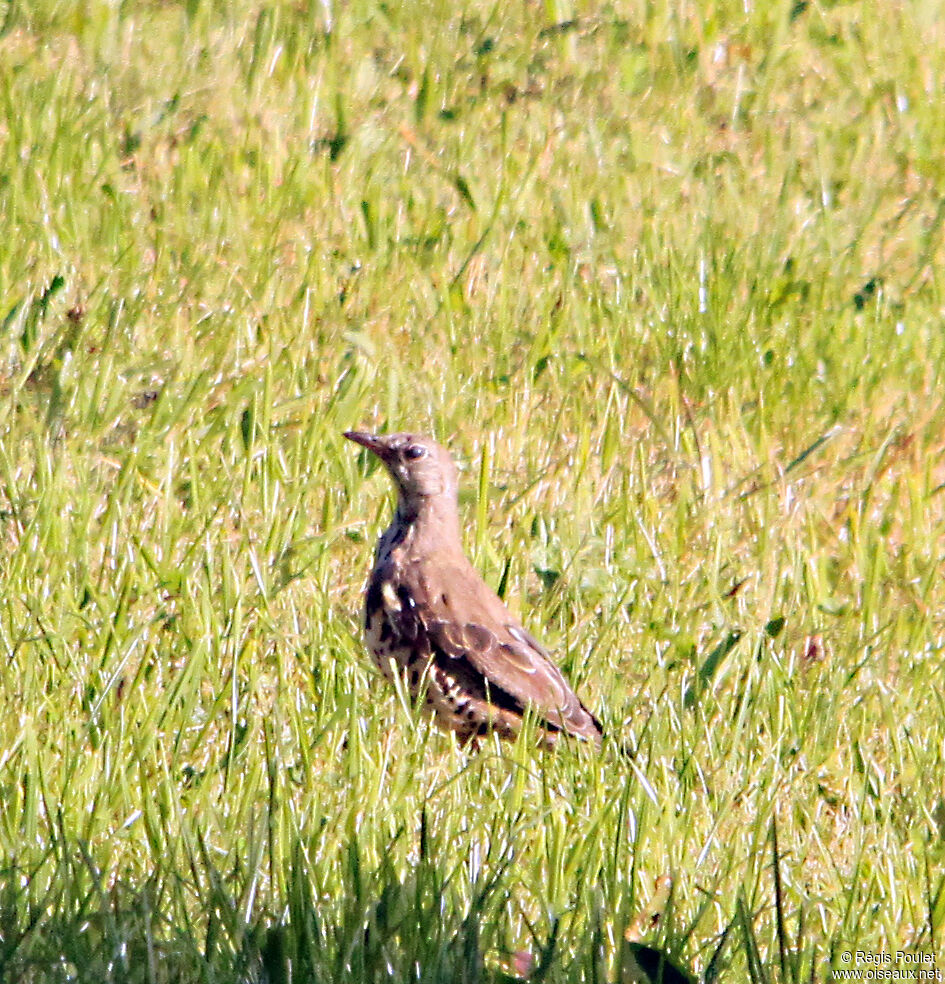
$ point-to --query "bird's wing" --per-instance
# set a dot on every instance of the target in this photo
(511, 661)
(470, 623)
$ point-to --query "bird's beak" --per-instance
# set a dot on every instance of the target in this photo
(370, 441)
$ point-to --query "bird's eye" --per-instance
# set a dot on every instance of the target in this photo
(415, 451)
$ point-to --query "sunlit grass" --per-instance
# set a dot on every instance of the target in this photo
(667, 279)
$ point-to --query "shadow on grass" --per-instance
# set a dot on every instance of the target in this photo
(373, 925)
(382, 926)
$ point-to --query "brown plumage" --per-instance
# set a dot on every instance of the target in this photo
(430, 617)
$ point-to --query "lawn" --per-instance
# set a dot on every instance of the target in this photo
(668, 278)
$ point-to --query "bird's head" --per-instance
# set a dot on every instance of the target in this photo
(420, 467)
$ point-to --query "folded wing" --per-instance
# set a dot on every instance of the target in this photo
(517, 672)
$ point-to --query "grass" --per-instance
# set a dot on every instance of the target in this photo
(668, 279)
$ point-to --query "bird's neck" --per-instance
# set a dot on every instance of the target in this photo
(427, 524)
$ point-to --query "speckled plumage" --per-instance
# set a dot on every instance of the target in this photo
(429, 616)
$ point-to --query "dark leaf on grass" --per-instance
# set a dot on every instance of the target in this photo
(37, 312)
(774, 626)
(463, 188)
(11, 314)
(548, 577)
(799, 7)
(808, 451)
(130, 142)
(642, 964)
(558, 247)
(339, 141)
(424, 836)
(504, 580)
(710, 667)
(248, 427)
(55, 285)
(598, 217)
(865, 293)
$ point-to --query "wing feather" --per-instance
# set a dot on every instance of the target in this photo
(475, 627)
(426, 603)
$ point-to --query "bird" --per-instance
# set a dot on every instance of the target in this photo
(431, 619)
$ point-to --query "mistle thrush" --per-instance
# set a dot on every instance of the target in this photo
(431, 619)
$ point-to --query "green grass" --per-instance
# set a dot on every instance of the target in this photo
(668, 280)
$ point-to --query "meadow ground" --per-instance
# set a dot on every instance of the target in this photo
(668, 279)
